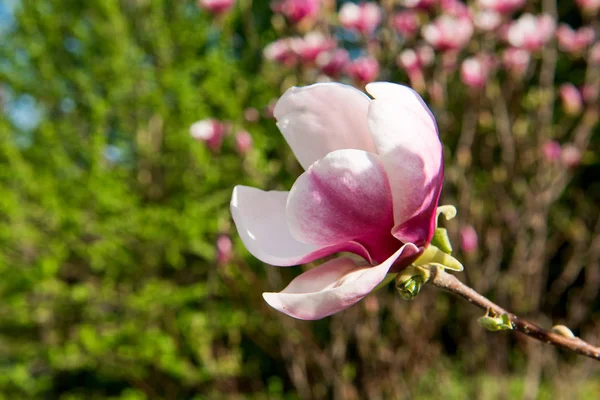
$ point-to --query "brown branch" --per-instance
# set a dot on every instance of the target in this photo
(450, 283)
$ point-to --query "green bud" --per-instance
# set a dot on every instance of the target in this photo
(493, 322)
(410, 281)
(434, 256)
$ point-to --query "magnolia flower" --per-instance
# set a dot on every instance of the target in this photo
(590, 7)
(364, 18)
(216, 6)
(468, 239)
(243, 142)
(406, 23)
(421, 4)
(474, 72)
(570, 156)
(571, 99)
(530, 32)
(502, 6)
(298, 10)
(372, 180)
(224, 249)
(281, 51)
(551, 151)
(363, 69)
(311, 45)
(448, 33)
(516, 60)
(574, 41)
(209, 131)
(487, 20)
(333, 63)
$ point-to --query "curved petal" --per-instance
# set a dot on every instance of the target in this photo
(321, 118)
(408, 144)
(260, 220)
(343, 197)
(332, 287)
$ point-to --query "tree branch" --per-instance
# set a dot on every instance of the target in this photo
(450, 283)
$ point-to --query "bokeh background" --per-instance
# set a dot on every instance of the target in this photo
(122, 276)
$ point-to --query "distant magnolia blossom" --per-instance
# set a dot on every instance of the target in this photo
(216, 6)
(298, 10)
(209, 131)
(516, 61)
(502, 6)
(474, 72)
(487, 20)
(574, 41)
(530, 32)
(551, 151)
(251, 114)
(334, 62)
(281, 51)
(411, 60)
(570, 156)
(311, 45)
(448, 33)
(589, 6)
(406, 23)
(571, 99)
(421, 4)
(224, 249)
(594, 56)
(363, 69)
(469, 241)
(455, 8)
(363, 18)
(243, 142)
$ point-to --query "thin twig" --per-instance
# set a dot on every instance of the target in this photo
(450, 283)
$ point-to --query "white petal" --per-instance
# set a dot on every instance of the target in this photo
(321, 118)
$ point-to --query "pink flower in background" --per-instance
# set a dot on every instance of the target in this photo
(516, 61)
(502, 6)
(474, 72)
(216, 6)
(448, 33)
(333, 63)
(590, 93)
(487, 20)
(589, 7)
(406, 23)
(530, 32)
(209, 131)
(224, 249)
(281, 51)
(243, 142)
(311, 45)
(251, 114)
(551, 151)
(373, 177)
(574, 41)
(298, 10)
(364, 18)
(413, 62)
(455, 8)
(468, 239)
(570, 156)
(571, 99)
(595, 54)
(420, 4)
(363, 69)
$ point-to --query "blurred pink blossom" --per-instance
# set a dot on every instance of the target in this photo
(420, 4)
(455, 8)
(224, 249)
(209, 131)
(589, 7)
(448, 33)
(502, 6)
(364, 18)
(406, 23)
(516, 60)
(570, 156)
(571, 99)
(594, 56)
(297, 10)
(574, 41)
(363, 69)
(474, 72)
(551, 151)
(590, 93)
(281, 51)
(333, 63)
(243, 142)
(469, 241)
(311, 45)
(251, 114)
(530, 32)
(371, 187)
(487, 20)
(216, 6)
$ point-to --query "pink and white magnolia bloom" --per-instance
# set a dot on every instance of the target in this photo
(216, 7)
(363, 69)
(243, 142)
(571, 99)
(298, 10)
(372, 180)
(333, 63)
(589, 7)
(574, 41)
(487, 21)
(502, 6)
(209, 131)
(516, 61)
(474, 72)
(309, 47)
(530, 32)
(406, 23)
(364, 18)
(448, 32)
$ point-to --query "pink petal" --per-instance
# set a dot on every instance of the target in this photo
(344, 197)
(261, 223)
(408, 144)
(321, 118)
(332, 287)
